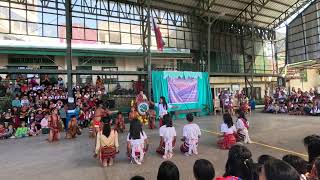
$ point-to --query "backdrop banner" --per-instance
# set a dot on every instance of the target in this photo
(183, 90)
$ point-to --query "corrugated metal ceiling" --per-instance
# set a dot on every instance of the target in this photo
(264, 15)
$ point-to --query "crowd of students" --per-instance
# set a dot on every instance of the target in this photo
(241, 166)
(41, 107)
(235, 101)
(295, 103)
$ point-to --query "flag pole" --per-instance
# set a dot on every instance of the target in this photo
(148, 49)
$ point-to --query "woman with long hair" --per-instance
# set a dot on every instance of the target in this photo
(107, 145)
(239, 164)
(137, 142)
(276, 169)
(242, 126)
(163, 108)
(228, 131)
(312, 144)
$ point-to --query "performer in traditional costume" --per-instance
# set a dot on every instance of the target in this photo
(142, 106)
(152, 117)
(107, 145)
(228, 103)
(73, 128)
(245, 105)
(137, 142)
(141, 97)
(133, 114)
(228, 130)
(119, 124)
(167, 138)
(191, 135)
(54, 126)
(242, 126)
(99, 113)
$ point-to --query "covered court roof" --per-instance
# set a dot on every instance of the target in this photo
(263, 13)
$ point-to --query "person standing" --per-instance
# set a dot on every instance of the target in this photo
(54, 126)
(163, 108)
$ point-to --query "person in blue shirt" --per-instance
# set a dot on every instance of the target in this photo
(16, 102)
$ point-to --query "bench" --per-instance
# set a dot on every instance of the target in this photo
(196, 112)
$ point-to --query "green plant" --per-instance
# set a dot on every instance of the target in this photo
(5, 103)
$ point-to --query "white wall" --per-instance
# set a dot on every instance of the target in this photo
(313, 76)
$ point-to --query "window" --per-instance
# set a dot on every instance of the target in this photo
(84, 79)
(110, 78)
(218, 90)
(30, 59)
(256, 92)
(52, 77)
(15, 76)
(96, 61)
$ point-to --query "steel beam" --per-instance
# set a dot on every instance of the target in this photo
(251, 11)
(289, 12)
(216, 74)
(149, 49)
(68, 56)
(73, 72)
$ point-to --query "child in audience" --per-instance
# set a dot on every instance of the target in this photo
(168, 171)
(3, 131)
(203, 170)
(119, 124)
(239, 164)
(167, 138)
(242, 126)
(10, 132)
(45, 124)
(33, 130)
(191, 135)
(22, 131)
(315, 170)
(228, 130)
(31, 118)
(136, 142)
(137, 178)
(298, 163)
(264, 158)
(276, 169)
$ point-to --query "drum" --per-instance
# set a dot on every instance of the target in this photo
(143, 108)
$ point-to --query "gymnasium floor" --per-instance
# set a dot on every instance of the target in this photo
(34, 158)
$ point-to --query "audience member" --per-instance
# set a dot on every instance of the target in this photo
(275, 169)
(203, 170)
(239, 163)
(298, 163)
(168, 171)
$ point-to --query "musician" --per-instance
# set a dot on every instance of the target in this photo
(141, 97)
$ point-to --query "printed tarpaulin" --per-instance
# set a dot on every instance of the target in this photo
(163, 82)
(183, 90)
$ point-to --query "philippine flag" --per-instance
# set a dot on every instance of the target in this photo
(160, 42)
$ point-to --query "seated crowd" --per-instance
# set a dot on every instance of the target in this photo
(36, 106)
(241, 166)
(295, 103)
